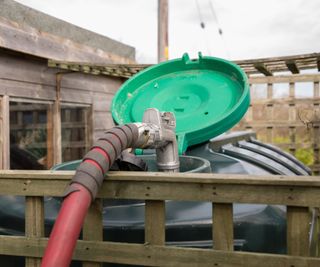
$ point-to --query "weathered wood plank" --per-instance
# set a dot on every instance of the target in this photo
(35, 72)
(50, 136)
(46, 92)
(276, 64)
(286, 78)
(277, 190)
(1, 135)
(316, 90)
(263, 69)
(291, 90)
(269, 113)
(102, 121)
(249, 114)
(102, 102)
(298, 226)
(149, 255)
(33, 42)
(88, 120)
(315, 233)
(269, 90)
(34, 224)
(116, 70)
(98, 84)
(317, 236)
(222, 217)
(76, 96)
(199, 178)
(275, 123)
(93, 228)
(316, 150)
(34, 217)
(285, 195)
(284, 190)
(28, 70)
(311, 56)
(292, 136)
(291, 64)
(269, 134)
(155, 222)
(57, 147)
(5, 133)
(292, 113)
(26, 90)
(284, 101)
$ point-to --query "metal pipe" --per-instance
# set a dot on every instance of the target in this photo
(167, 148)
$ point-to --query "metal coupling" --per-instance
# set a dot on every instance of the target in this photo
(158, 131)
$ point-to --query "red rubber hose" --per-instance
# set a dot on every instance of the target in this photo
(82, 190)
(63, 238)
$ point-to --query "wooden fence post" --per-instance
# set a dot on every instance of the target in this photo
(298, 226)
(222, 226)
(34, 224)
(292, 91)
(5, 133)
(155, 222)
(316, 89)
(93, 227)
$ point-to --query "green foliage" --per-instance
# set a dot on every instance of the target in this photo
(281, 140)
(305, 155)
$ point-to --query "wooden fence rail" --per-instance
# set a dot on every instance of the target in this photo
(298, 193)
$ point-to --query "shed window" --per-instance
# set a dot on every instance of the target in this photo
(28, 136)
(32, 130)
(74, 132)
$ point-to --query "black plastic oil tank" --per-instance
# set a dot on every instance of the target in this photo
(187, 164)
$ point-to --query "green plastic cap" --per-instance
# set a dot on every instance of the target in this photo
(207, 95)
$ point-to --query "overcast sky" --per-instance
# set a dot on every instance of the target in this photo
(251, 28)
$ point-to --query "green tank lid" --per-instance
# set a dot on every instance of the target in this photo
(207, 95)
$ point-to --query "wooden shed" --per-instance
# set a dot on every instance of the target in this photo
(49, 115)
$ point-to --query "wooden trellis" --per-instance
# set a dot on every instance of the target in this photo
(291, 122)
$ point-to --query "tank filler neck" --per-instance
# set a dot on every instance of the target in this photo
(158, 131)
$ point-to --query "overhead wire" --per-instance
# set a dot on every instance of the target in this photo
(202, 25)
(220, 31)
